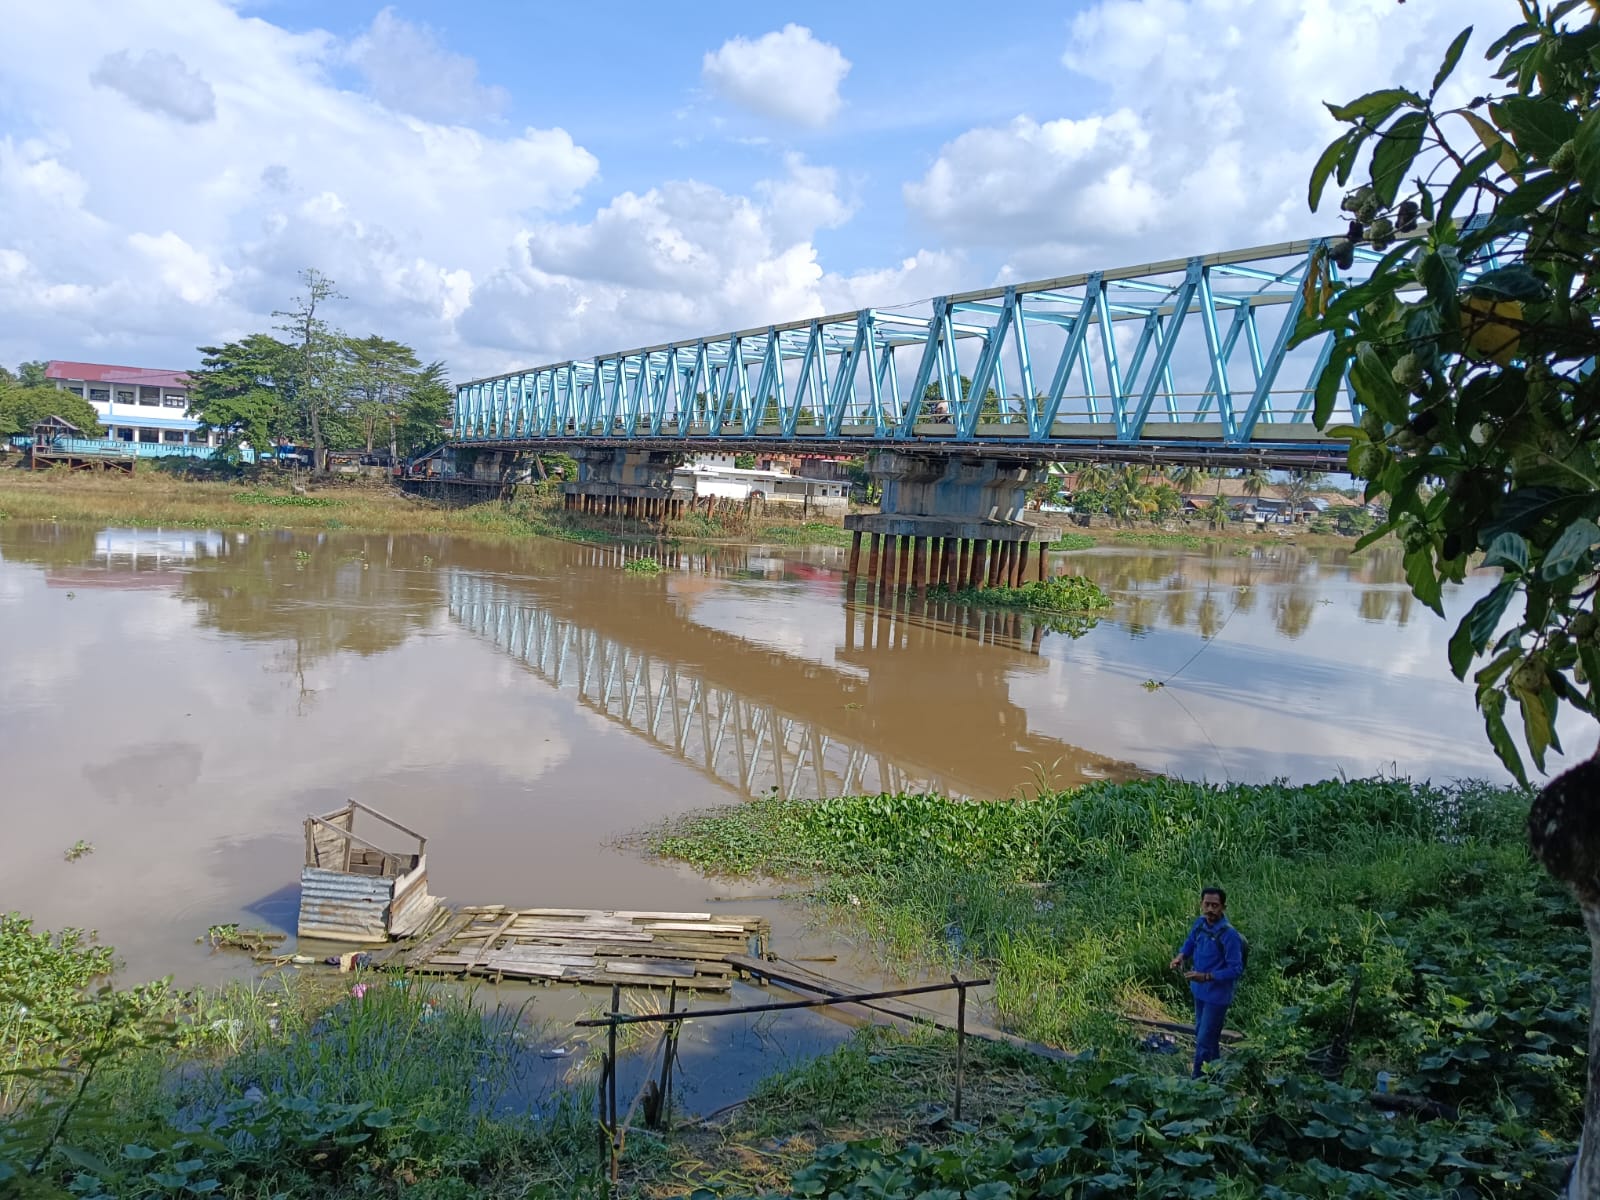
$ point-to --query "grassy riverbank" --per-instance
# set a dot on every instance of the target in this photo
(153, 499)
(1473, 995)
(1473, 975)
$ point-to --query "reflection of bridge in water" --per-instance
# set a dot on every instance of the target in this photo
(750, 746)
(756, 719)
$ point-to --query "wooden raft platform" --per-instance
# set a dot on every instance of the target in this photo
(579, 945)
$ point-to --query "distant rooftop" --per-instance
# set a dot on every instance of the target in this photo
(107, 373)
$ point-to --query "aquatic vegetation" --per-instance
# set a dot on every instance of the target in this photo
(1073, 541)
(1058, 594)
(77, 850)
(642, 566)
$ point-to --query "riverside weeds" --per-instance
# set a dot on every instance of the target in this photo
(1471, 965)
(336, 1086)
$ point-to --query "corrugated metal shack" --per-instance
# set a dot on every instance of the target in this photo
(353, 890)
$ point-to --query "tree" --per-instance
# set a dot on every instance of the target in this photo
(1470, 352)
(1254, 481)
(21, 408)
(31, 374)
(1299, 488)
(241, 391)
(423, 412)
(1187, 479)
(382, 373)
(322, 374)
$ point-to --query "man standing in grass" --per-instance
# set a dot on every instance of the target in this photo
(1214, 951)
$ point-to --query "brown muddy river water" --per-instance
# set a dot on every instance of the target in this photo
(181, 700)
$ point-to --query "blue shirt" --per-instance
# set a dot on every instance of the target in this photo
(1216, 950)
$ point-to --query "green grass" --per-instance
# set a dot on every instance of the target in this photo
(336, 1086)
(642, 566)
(1067, 596)
(1074, 902)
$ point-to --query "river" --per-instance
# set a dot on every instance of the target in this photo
(183, 699)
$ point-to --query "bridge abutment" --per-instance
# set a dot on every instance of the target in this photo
(947, 521)
(636, 484)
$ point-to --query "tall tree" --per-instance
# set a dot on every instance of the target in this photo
(1300, 487)
(1254, 481)
(243, 391)
(31, 374)
(423, 412)
(382, 373)
(322, 374)
(1470, 351)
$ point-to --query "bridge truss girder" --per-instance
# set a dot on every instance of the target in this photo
(1186, 354)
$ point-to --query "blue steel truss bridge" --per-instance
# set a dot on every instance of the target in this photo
(1180, 361)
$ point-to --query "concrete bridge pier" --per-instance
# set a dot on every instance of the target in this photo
(631, 484)
(947, 521)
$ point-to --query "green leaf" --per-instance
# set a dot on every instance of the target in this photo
(1374, 105)
(1525, 507)
(1484, 616)
(1466, 178)
(1538, 725)
(1451, 57)
(1586, 144)
(1538, 126)
(1460, 648)
(1504, 748)
(1324, 168)
(1424, 580)
(1392, 157)
(1571, 549)
(1508, 550)
(1375, 386)
(1515, 282)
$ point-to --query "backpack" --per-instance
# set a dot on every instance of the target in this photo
(1204, 930)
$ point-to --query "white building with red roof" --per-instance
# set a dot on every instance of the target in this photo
(135, 404)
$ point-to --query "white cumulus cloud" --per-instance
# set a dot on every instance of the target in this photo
(788, 75)
(158, 83)
(1211, 123)
(408, 70)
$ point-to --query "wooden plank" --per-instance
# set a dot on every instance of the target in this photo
(798, 978)
(488, 942)
(645, 966)
(695, 927)
(704, 983)
(441, 937)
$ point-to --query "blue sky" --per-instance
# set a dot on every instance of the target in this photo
(503, 184)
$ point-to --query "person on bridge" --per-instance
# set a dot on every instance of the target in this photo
(1214, 953)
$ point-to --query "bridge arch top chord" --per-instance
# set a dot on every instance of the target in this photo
(1175, 358)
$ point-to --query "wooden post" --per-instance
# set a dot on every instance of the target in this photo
(963, 552)
(872, 564)
(855, 563)
(975, 565)
(992, 578)
(1022, 563)
(918, 579)
(902, 570)
(1042, 573)
(947, 564)
(886, 567)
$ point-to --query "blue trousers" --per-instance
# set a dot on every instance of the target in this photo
(1208, 1019)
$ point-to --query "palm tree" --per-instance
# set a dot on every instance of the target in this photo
(1187, 479)
(1254, 481)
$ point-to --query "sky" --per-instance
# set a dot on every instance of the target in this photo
(505, 184)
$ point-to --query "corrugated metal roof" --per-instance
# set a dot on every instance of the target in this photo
(108, 373)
